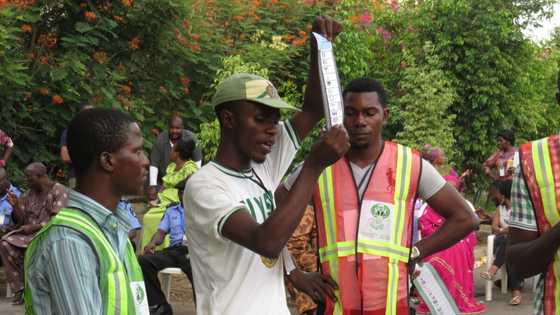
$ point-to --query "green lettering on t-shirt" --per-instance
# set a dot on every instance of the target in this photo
(269, 201)
(248, 203)
(260, 202)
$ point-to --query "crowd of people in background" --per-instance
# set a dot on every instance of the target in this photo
(345, 229)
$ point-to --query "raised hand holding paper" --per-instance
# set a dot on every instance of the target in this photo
(330, 84)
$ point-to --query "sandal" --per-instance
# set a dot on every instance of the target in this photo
(487, 276)
(516, 300)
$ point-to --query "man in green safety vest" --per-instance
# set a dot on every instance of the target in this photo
(82, 262)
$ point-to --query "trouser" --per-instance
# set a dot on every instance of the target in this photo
(500, 245)
(12, 259)
(151, 264)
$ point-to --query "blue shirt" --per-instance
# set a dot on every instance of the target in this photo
(132, 218)
(6, 207)
(62, 274)
(173, 223)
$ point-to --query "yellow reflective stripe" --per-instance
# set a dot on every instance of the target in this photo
(384, 249)
(114, 290)
(392, 287)
(402, 184)
(402, 179)
(340, 249)
(329, 218)
(546, 184)
(545, 180)
(376, 248)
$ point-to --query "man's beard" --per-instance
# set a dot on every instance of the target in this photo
(359, 145)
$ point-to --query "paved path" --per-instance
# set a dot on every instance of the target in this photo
(181, 296)
(498, 306)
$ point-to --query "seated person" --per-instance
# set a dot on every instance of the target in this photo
(500, 194)
(180, 168)
(6, 208)
(31, 212)
(132, 220)
(152, 261)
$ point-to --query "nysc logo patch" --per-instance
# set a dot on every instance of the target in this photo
(380, 211)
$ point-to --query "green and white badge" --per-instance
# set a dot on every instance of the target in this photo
(140, 297)
(376, 221)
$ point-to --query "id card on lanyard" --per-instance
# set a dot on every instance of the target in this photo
(140, 297)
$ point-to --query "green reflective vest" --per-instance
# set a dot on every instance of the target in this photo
(122, 292)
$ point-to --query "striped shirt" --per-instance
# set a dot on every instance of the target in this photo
(523, 218)
(63, 272)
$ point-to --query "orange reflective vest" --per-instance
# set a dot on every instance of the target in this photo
(540, 164)
(365, 243)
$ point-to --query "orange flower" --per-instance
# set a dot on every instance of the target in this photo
(195, 37)
(195, 47)
(238, 18)
(302, 33)
(100, 57)
(26, 28)
(127, 3)
(44, 60)
(134, 43)
(57, 99)
(126, 89)
(184, 80)
(44, 91)
(118, 19)
(90, 16)
(48, 40)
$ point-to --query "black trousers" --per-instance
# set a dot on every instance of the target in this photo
(500, 245)
(151, 264)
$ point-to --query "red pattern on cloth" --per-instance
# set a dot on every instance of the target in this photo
(38, 208)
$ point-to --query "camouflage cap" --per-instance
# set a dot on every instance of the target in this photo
(250, 87)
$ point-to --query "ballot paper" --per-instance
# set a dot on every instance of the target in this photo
(330, 84)
(434, 292)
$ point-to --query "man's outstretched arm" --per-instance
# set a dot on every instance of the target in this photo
(268, 239)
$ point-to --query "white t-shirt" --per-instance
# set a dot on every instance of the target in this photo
(229, 278)
(430, 180)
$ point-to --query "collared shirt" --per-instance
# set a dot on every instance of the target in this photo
(173, 223)
(6, 208)
(523, 217)
(132, 218)
(62, 274)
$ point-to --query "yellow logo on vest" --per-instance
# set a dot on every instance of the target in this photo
(376, 220)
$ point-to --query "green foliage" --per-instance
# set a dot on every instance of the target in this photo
(154, 57)
(484, 53)
(423, 107)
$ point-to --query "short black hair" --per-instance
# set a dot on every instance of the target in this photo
(508, 135)
(94, 131)
(175, 115)
(364, 85)
(503, 186)
(185, 148)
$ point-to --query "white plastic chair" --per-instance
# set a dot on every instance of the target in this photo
(166, 279)
(502, 271)
(489, 262)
